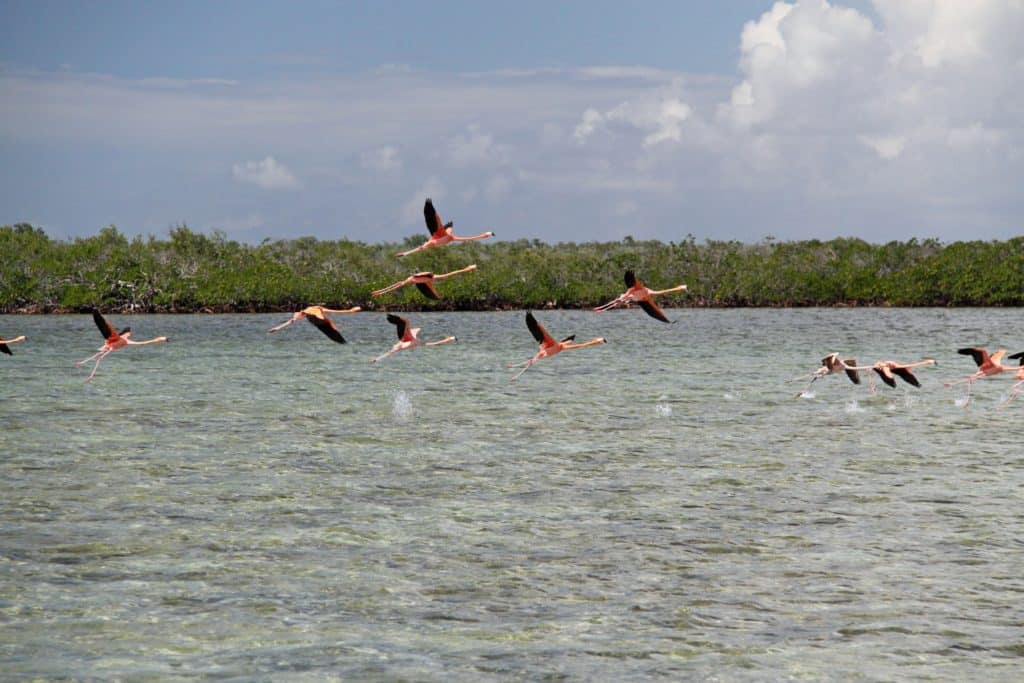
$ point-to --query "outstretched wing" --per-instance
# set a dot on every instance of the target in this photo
(886, 376)
(4, 348)
(907, 376)
(428, 290)
(978, 354)
(537, 330)
(326, 325)
(434, 224)
(400, 323)
(1018, 356)
(653, 310)
(630, 279)
(852, 374)
(106, 329)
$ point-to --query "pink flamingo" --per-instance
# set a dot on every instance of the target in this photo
(440, 233)
(548, 346)
(889, 370)
(5, 342)
(988, 365)
(424, 282)
(114, 340)
(1019, 386)
(831, 364)
(317, 315)
(636, 291)
(408, 337)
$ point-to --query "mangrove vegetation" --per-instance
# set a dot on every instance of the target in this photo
(192, 271)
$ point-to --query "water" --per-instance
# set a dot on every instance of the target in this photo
(272, 507)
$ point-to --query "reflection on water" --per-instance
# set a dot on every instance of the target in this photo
(664, 506)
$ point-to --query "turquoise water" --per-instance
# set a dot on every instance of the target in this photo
(273, 507)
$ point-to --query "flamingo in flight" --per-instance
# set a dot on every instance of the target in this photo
(1019, 376)
(988, 365)
(889, 370)
(636, 291)
(424, 282)
(114, 340)
(548, 346)
(5, 342)
(317, 315)
(440, 233)
(832, 364)
(408, 337)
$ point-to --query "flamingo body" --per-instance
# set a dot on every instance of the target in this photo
(642, 296)
(440, 232)
(548, 346)
(317, 316)
(113, 340)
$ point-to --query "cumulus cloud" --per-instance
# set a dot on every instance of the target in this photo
(267, 173)
(382, 159)
(475, 148)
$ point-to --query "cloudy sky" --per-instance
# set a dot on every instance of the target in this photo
(569, 121)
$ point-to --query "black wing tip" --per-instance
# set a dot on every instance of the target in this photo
(1015, 356)
(4, 349)
(427, 291)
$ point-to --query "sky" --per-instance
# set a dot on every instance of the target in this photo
(571, 121)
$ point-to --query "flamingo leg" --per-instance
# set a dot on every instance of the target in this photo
(423, 246)
(79, 363)
(389, 288)
(384, 355)
(282, 325)
(618, 301)
(96, 367)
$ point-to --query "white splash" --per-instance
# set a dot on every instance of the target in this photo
(807, 394)
(401, 407)
(854, 407)
(663, 409)
(961, 402)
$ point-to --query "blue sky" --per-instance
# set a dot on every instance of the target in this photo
(571, 121)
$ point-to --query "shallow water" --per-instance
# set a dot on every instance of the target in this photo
(254, 506)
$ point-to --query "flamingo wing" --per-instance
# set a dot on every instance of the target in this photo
(326, 325)
(537, 330)
(630, 279)
(5, 349)
(434, 224)
(106, 329)
(1017, 356)
(652, 310)
(907, 376)
(886, 376)
(979, 355)
(400, 323)
(427, 288)
(852, 374)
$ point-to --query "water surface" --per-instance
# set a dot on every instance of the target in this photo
(254, 506)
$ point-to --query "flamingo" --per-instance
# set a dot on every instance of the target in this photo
(114, 340)
(988, 365)
(440, 233)
(643, 296)
(317, 315)
(5, 342)
(408, 337)
(831, 364)
(424, 282)
(888, 370)
(548, 346)
(1019, 376)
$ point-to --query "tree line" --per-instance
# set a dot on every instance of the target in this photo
(192, 271)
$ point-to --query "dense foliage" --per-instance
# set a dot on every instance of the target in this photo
(192, 271)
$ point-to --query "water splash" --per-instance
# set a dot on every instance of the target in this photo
(663, 409)
(961, 402)
(807, 394)
(401, 406)
(854, 406)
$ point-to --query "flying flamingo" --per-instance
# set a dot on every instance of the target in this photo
(5, 342)
(1019, 376)
(831, 364)
(643, 296)
(408, 337)
(114, 340)
(424, 282)
(889, 370)
(440, 233)
(988, 365)
(548, 346)
(317, 315)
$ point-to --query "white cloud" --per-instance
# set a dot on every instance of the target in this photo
(885, 147)
(268, 174)
(475, 149)
(382, 159)
(412, 210)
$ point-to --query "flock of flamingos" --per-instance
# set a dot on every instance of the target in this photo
(441, 234)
